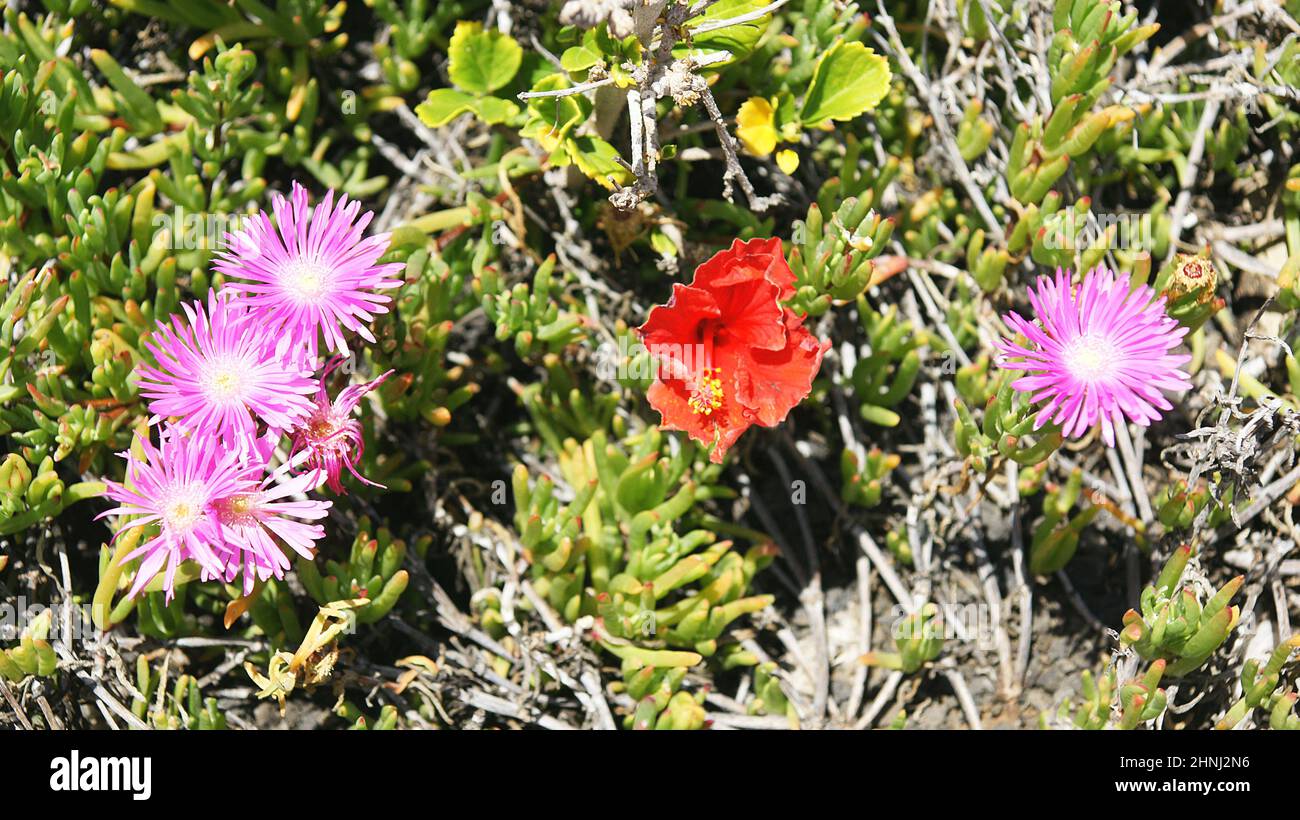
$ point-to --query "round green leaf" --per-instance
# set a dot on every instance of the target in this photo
(482, 61)
(493, 110)
(579, 58)
(849, 80)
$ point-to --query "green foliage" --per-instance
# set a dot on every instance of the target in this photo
(357, 720)
(1107, 705)
(1177, 507)
(831, 260)
(918, 638)
(861, 481)
(1090, 36)
(1174, 624)
(414, 27)
(768, 697)
(1057, 535)
(1007, 430)
(412, 339)
(33, 655)
(849, 80)
(479, 63)
(1262, 688)
(372, 573)
(561, 406)
(884, 377)
(529, 314)
(623, 551)
(181, 707)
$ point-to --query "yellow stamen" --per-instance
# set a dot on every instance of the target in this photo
(306, 278)
(181, 515)
(236, 509)
(707, 395)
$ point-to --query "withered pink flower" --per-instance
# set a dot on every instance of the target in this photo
(330, 439)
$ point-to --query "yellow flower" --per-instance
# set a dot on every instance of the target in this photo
(787, 161)
(756, 126)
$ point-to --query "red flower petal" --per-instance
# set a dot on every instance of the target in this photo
(771, 383)
(745, 259)
(749, 281)
(721, 429)
(677, 325)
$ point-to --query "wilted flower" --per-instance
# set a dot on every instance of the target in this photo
(1099, 354)
(330, 438)
(249, 522)
(174, 487)
(217, 369)
(310, 271)
(729, 354)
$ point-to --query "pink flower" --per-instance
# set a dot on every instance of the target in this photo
(330, 439)
(1100, 354)
(217, 370)
(174, 487)
(314, 273)
(249, 522)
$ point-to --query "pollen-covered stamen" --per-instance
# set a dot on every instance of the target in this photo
(1090, 357)
(708, 393)
(182, 507)
(225, 379)
(305, 278)
(236, 510)
(319, 428)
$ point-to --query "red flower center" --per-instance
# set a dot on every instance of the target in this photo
(708, 393)
(733, 355)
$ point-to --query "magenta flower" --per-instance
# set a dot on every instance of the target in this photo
(314, 273)
(174, 487)
(1100, 354)
(330, 439)
(249, 522)
(217, 369)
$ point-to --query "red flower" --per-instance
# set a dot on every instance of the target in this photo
(729, 354)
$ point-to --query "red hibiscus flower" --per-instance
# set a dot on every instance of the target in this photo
(729, 354)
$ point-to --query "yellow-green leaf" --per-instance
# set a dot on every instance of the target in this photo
(739, 40)
(849, 80)
(493, 110)
(599, 161)
(579, 58)
(443, 105)
(482, 61)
